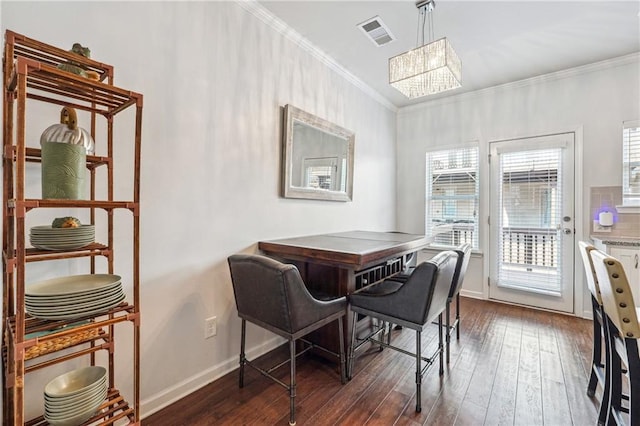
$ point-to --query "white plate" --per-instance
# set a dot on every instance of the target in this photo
(72, 284)
(48, 229)
(79, 314)
(74, 307)
(62, 301)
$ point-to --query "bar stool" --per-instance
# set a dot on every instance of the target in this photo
(623, 332)
(273, 296)
(413, 305)
(597, 375)
(464, 254)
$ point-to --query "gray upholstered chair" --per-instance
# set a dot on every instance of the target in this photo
(273, 296)
(413, 304)
(464, 254)
(623, 334)
(597, 375)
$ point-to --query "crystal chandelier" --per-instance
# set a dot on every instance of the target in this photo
(431, 68)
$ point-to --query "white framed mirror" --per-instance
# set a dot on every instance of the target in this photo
(317, 158)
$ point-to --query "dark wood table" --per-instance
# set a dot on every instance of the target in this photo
(341, 263)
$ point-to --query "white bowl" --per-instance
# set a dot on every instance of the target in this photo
(73, 420)
(75, 382)
(77, 407)
(62, 402)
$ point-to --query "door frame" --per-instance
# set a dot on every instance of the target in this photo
(579, 305)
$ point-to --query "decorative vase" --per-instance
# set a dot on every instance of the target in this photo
(64, 157)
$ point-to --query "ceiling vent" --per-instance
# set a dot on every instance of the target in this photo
(376, 31)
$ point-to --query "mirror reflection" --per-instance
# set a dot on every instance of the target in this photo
(318, 158)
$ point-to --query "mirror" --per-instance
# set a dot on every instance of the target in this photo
(317, 158)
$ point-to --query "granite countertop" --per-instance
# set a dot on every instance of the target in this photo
(617, 241)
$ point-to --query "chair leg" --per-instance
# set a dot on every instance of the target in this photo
(603, 413)
(243, 334)
(633, 369)
(343, 366)
(440, 346)
(292, 386)
(614, 380)
(596, 356)
(447, 330)
(351, 354)
(419, 370)
(458, 316)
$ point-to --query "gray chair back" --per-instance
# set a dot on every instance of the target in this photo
(424, 296)
(273, 294)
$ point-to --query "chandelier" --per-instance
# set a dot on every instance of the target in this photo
(429, 69)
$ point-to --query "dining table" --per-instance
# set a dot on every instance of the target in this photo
(338, 264)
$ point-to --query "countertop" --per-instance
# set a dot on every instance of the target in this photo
(617, 241)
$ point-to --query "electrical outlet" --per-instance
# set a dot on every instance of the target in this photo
(210, 327)
(599, 228)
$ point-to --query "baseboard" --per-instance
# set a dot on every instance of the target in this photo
(472, 294)
(168, 396)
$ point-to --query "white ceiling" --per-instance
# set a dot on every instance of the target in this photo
(497, 41)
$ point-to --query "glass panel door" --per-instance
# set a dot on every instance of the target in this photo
(531, 223)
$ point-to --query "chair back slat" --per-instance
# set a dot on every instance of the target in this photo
(617, 299)
(587, 262)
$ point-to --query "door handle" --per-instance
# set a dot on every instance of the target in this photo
(636, 261)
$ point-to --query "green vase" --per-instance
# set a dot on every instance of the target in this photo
(64, 168)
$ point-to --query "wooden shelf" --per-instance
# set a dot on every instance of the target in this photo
(31, 72)
(112, 410)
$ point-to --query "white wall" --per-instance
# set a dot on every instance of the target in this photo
(214, 79)
(594, 99)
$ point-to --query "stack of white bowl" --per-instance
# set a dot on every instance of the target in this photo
(73, 296)
(48, 238)
(72, 398)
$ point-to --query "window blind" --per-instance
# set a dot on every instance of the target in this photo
(452, 197)
(631, 163)
(530, 206)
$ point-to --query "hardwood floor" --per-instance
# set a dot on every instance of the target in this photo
(511, 366)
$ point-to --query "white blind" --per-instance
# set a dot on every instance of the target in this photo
(631, 163)
(530, 206)
(452, 197)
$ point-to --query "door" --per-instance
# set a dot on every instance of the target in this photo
(531, 221)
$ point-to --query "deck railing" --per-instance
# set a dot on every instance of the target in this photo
(520, 245)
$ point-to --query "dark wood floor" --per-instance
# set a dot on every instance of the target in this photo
(511, 366)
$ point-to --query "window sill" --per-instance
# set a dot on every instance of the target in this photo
(628, 209)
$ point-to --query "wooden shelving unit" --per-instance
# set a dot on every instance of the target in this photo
(31, 72)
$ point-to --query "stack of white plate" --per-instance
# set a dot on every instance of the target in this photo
(47, 238)
(73, 296)
(72, 398)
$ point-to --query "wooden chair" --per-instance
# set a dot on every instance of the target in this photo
(623, 332)
(597, 375)
(413, 304)
(273, 296)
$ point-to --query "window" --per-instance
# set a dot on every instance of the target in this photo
(452, 197)
(631, 163)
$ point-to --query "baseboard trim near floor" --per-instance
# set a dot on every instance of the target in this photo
(472, 294)
(178, 391)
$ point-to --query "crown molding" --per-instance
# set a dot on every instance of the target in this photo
(545, 78)
(253, 7)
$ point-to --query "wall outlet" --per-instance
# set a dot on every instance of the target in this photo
(599, 228)
(210, 327)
